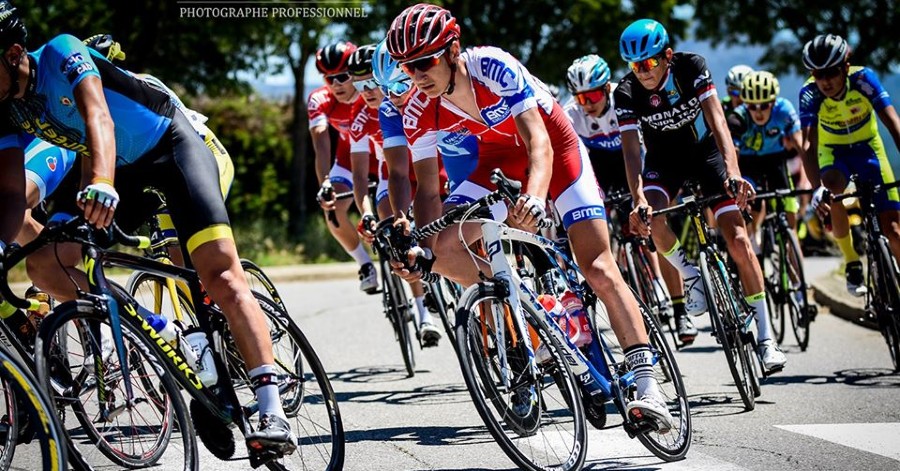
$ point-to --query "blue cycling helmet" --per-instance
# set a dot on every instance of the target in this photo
(587, 73)
(643, 39)
(387, 71)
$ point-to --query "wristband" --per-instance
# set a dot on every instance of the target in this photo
(96, 180)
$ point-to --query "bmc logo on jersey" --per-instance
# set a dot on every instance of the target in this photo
(499, 72)
(413, 111)
(496, 113)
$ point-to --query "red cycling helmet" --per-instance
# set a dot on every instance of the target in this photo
(332, 59)
(420, 31)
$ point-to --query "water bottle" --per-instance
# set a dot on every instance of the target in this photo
(562, 318)
(206, 364)
(574, 307)
(170, 332)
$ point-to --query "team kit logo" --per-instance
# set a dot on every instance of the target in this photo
(655, 101)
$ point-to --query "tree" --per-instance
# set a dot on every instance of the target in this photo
(546, 35)
(784, 26)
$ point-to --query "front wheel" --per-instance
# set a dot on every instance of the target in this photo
(886, 299)
(398, 310)
(725, 314)
(537, 419)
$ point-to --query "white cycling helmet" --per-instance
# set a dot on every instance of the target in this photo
(587, 73)
(736, 74)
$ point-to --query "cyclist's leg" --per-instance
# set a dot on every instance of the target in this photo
(887, 204)
(186, 172)
(577, 199)
(835, 175)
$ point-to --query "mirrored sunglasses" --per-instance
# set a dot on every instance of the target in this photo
(365, 85)
(337, 78)
(591, 96)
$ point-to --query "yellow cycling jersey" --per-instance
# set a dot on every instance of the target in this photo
(850, 120)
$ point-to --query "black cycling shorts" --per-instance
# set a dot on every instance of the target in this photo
(668, 171)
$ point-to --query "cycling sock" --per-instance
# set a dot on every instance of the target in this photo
(360, 255)
(264, 382)
(761, 311)
(639, 359)
(424, 315)
(678, 259)
(846, 245)
(678, 307)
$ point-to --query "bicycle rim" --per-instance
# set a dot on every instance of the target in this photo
(538, 422)
(887, 300)
(260, 282)
(398, 309)
(28, 415)
(771, 268)
(797, 299)
(154, 430)
(723, 313)
(673, 445)
(444, 298)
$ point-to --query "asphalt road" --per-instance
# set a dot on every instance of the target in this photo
(836, 406)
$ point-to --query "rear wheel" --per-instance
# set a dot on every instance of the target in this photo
(797, 300)
(399, 312)
(775, 294)
(886, 299)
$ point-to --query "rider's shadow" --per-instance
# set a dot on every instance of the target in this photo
(864, 377)
(717, 404)
(426, 436)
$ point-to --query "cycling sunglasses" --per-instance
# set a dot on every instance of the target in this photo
(590, 96)
(759, 106)
(398, 88)
(365, 85)
(337, 78)
(424, 64)
(646, 65)
(828, 73)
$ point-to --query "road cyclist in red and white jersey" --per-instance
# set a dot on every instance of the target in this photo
(330, 105)
(669, 99)
(593, 115)
(523, 131)
(365, 131)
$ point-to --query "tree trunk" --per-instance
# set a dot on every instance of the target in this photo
(298, 194)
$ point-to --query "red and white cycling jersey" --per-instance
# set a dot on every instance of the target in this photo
(324, 108)
(365, 135)
(504, 89)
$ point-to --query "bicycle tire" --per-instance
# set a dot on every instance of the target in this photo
(886, 300)
(797, 309)
(774, 293)
(639, 269)
(524, 429)
(721, 310)
(667, 447)
(155, 300)
(261, 283)
(26, 399)
(444, 298)
(392, 296)
(48, 364)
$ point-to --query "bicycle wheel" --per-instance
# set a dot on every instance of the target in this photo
(443, 295)
(152, 292)
(28, 416)
(154, 429)
(794, 280)
(673, 445)
(775, 295)
(306, 393)
(642, 284)
(260, 282)
(886, 298)
(724, 312)
(397, 309)
(537, 421)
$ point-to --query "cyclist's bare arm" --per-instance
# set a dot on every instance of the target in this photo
(891, 121)
(322, 146)
(427, 202)
(101, 142)
(359, 163)
(12, 192)
(811, 155)
(399, 188)
(719, 128)
(631, 150)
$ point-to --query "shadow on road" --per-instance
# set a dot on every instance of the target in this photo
(865, 377)
(428, 436)
(715, 404)
(433, 394)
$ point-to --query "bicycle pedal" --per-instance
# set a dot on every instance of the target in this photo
(261, 457)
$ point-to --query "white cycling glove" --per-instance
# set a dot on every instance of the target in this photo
(324, 190)
(817, 197)
(536, 206)
(103, 192)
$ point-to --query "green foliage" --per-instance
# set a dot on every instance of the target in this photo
(784, 26)
(546, 35)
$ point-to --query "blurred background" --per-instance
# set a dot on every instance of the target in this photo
(252, 76)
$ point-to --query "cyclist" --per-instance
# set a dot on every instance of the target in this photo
(486, 92)
(593, 115)
(760, 127)
(734, 82)
(330, 105)
(838, 105)
(366, 129)
(669, 99)
(60, 93)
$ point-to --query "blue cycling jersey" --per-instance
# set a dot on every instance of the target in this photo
(46, 165)
(768, 138)
(459, 152)
(141, 112)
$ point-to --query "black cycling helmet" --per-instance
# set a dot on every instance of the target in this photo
(12, 28)
(332, 59)
(360, 62)
(825, 51)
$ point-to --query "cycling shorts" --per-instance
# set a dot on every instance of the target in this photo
(767, 173)
(867, 159)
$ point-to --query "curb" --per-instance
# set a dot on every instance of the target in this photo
(830, 291)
